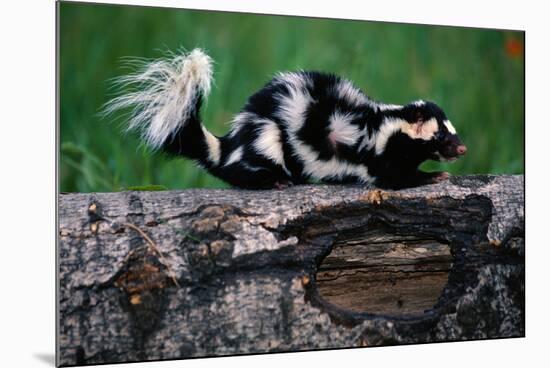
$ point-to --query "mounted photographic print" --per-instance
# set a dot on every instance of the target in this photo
(234, 183)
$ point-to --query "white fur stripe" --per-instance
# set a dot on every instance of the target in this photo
(294, 81)
(213, 143)
(269, 143)
(386, 130)
(251, 168)
(342, 131)
(240, 120)
(235, 156)
(292, 107)
(292, 111)
(387, 107)
(325, 169)
(347, 91)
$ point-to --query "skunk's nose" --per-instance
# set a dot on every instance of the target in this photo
(461, 150)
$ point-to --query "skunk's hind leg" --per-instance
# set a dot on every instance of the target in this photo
(244, 175)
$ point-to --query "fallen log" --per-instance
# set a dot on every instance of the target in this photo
(179, 274)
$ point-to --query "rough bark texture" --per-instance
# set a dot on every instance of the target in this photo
(164, 275)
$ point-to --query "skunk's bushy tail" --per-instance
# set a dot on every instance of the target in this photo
(165, 96)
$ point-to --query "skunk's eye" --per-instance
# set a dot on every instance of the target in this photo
(440, 135)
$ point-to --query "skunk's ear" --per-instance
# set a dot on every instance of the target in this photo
(416, 112)
(421, 129)
(417, 116)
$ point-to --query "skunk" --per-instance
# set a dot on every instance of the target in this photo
(300, 126)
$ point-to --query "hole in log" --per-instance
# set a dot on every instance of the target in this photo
(382, 273)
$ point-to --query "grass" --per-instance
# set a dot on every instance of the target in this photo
(475, 75)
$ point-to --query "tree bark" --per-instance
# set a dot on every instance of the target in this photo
(179, 274)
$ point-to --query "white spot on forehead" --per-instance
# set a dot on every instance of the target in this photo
(450, 127)
(342, 130)
(419, 103)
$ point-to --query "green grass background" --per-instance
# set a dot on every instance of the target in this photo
(468, 72)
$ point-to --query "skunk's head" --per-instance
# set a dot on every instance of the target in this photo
(430, 133)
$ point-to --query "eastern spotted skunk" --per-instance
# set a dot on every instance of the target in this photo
(301, 125)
